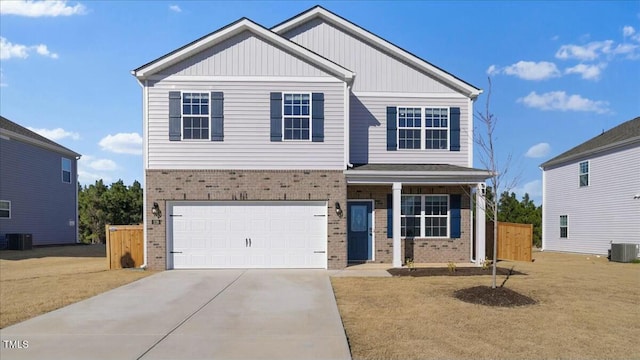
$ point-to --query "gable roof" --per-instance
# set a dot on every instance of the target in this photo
(380, 43)
(14, 131)
(621, 135)
(231, 30)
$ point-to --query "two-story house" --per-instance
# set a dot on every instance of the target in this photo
(591, 193)
(308, 145)
(38, 187)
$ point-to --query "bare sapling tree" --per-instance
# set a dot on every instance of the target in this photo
(486, 142)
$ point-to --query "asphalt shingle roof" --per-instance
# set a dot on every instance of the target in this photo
(9, 125)
(620, 135)
(412, 167)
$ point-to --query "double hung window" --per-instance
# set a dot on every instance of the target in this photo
(423, 128)
(195, 116)
(425, 216)
(297, 116)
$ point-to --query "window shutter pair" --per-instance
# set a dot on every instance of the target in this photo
(455, 204)
(317, 116)
(392, 128)
(216, 111)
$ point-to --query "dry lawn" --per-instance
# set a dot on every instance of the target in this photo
(589, 308)
(44, 279)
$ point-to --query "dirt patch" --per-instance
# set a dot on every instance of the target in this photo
(37, 281)
(461, 271)
(500, 296)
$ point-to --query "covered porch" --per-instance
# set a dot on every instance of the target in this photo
(421, 213)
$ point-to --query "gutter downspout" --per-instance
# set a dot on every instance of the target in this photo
(77, 219)
(145, 106)
(347, 131)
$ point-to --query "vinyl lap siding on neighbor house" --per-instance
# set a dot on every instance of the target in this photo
(603, 212)
(247, 143)
(41, 204)
(368, 141)
(375, 70)
(244, 55)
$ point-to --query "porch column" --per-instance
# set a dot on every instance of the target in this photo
(397, 247)
(480, 223)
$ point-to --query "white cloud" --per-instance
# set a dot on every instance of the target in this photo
(103, 165)
(88, 178)
(2, 83)
(528, 70)
(533, 188)
(559, 100)
(492, 70)
(628, 31)
(538, 150)
(31, 8)
(56, 134)
(590, 51)
(9, 50)
(175, 8)
(91, 169)
(123, 143)
(587, 72)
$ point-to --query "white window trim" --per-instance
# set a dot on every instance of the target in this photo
(566, 227)
(63, 170)
(182, 116)
(423, 127)
(8, 202)
(423, 216)
(297, 116)
(588, 173)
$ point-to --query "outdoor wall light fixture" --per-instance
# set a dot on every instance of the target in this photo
(156, 210)
(338, 210)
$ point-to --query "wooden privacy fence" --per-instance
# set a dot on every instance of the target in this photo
(514, 241)
(124, 246)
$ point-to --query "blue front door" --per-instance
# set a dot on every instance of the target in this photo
(359, 230)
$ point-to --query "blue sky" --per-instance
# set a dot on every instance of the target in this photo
(562, 72)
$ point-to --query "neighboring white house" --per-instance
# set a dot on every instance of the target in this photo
(308, 145)
(591, 193)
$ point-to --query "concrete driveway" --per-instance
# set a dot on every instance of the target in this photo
(192, 314)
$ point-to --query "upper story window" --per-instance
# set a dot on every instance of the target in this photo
(416, 124)
(584, 173)
(296, 116)
(66, 170)
(564, 226)
(195, 116)
(5, 209)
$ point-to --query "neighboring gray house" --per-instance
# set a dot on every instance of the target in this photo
(591, 193)
(38, 187)
(308, 145)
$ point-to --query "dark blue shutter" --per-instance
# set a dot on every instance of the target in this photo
(456, 217)
(389, 215)
(454, 123)
(217, 116)
(276, 116)
(317, 117)
(175, 116)
(392, 129)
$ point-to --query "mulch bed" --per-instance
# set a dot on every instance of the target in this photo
(500, 296)
(442, 271)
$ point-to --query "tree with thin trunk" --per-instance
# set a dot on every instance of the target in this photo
(486, 143)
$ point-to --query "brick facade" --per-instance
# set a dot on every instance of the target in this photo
(419, 249)
(240, 185)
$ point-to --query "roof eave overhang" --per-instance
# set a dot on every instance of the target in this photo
(562, 160)
(416, 177)
(26, 139)
(144, 72)
(467, 89)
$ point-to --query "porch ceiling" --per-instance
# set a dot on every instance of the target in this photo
(426, 174)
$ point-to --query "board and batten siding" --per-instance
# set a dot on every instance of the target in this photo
(41, 204)
(368, 125)
(375, 70)
(247, 144)
(243, 55)
(598, 214)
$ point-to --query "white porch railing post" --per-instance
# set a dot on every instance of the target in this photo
(480, 223)
(397, 247)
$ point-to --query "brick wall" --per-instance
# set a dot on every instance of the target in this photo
(420, 250)
(167, 185)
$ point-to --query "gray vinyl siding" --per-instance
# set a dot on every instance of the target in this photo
(41, 204)
(244, 55)
(368, 140)
(375, 70)
(247, 143)
(603, 212)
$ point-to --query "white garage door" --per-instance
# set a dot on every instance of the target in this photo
(278, 234)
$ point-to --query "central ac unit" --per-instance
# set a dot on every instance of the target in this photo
(624, 252)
